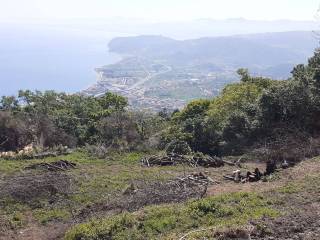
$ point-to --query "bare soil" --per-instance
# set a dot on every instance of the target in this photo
(36, 231)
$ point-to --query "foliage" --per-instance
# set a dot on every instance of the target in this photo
(50, 118)
(212, 126)
(14, 132)
(245, 113)
(178, 147)
(252, 111)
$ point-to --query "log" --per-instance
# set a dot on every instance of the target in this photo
(228, 163)
(173, 159)
(229, 178)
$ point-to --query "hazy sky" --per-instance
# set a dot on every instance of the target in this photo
(164, 10)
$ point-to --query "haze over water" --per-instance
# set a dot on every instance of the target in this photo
(51, 57)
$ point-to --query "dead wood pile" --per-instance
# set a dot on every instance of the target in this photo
(175, 159)
(34, 188)
(61, 165)
(141, 194)
(238, 177)
(29, 152)
(173, 191)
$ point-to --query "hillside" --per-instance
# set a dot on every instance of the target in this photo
(160, 72)
(242, 165)
(160, 120)
(235, 51)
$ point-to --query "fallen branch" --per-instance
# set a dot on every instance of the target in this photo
(196, 231)
(229, 178)
(61, 165)
(229, 163)
(175, 159)
(4, 142)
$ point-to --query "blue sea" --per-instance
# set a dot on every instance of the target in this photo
(61, 58)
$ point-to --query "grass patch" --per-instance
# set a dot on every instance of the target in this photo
(309, 184)
(290, 188)
(44, 216)
(10, 167)
(99, 182)
(17, 220)
(132, 158)
(167, 221)
(13, 213)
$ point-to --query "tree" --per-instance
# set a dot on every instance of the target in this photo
(8, 103)
(14, 132)
(244, 75)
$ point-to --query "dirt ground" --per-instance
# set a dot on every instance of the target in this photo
(282, 178)
(301, 224)
(35, 231)
(301, 208)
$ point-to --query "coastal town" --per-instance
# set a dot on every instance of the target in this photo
(153, 86)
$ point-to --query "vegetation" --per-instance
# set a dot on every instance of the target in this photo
(253, 111)
(166, 222)
(110, 139)
(93, 182)
(51, 118)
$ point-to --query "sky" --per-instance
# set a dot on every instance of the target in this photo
(158, 10)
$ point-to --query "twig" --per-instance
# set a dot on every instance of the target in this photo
(195, 231)
(4, 142)
(229, 178)
(228, 163)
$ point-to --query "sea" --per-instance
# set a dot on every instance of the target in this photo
(52, 57)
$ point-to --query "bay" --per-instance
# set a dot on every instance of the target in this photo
(61, 58)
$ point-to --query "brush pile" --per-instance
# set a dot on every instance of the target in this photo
(35, 188)
(140, 194)
(172, 159)
(61, 165)
(176, 190)
(33, 152)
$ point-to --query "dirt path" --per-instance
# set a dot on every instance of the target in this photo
(35, 231)
(299, 172)
(300, 210)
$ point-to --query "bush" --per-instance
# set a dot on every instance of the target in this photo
(178, 147)
(99, 151)
(14, 132)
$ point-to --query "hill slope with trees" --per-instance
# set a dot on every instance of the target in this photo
(207, 183)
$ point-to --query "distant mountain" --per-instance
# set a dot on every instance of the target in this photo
(257, 52)
(211, 27)
(159, 72)
(228, 27)
(198, 28)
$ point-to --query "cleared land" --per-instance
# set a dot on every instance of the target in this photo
(93, 201)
